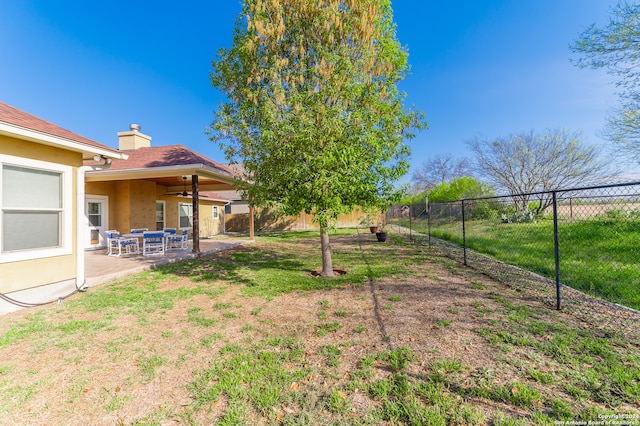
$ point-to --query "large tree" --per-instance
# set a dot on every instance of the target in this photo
(527, 162)
(616, 48)
(439, 169)
(313, 110)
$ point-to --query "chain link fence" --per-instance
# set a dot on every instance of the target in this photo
(584, 239)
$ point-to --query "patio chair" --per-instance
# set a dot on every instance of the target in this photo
(118, 245)
(139, 230)
(169, 230)
(152, 243)
(178, 241)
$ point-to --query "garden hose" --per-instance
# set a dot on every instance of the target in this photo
(32, 305)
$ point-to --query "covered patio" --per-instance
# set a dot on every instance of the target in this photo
(159, 187)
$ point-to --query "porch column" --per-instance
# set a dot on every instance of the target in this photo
(196, 216)
(251, 222)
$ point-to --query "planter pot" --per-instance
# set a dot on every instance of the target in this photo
(382, 236)
(373, 229)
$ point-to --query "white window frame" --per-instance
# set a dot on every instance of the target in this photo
(164, 213)
(191, 208)
(216, 212)
(66, 211)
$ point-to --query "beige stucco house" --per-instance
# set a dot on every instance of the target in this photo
(42, 206)
(60, 192)
(155, 188)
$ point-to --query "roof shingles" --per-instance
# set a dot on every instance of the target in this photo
(161, 156)
(166, 156)
(16, 117)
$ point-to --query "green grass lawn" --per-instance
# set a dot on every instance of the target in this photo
(248, 336)
(598, 257)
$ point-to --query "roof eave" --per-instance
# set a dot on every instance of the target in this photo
(156, 172)
(88, 151)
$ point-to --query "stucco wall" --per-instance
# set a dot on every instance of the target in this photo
(132, 204)
(208, 225)
(142, 204)
(26, 274)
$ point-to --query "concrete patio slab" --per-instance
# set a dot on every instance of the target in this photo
(100, 268)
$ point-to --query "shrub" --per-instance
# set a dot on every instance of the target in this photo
(519, 217)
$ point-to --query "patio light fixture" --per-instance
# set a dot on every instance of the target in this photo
(98, 157)
(184, 185)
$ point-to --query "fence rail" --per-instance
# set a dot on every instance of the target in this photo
(587, 239)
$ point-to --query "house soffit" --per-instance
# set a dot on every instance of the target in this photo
(171, 177)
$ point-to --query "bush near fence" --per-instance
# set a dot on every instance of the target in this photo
(595, 232)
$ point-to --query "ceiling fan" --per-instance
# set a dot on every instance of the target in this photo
(184, 193)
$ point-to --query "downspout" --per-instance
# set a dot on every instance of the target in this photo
(80, 224)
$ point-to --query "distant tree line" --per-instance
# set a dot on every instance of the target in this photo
(517, 163)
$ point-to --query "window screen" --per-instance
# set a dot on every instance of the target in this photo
(31, 208)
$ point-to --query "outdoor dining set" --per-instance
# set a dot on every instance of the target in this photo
(152, 242)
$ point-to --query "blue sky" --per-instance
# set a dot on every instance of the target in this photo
(478, 68)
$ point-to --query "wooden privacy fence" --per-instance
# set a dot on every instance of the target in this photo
(269, 220)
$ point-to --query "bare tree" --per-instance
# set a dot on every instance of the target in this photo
(527, 162)
(616, 48)
(439, 169)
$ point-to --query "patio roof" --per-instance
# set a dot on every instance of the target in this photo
(166, 165)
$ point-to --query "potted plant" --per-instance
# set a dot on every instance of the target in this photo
(381, 235)
(367, 221)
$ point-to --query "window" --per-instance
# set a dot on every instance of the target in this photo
(227, 209)
(160, 215)
(215, 212)
(185, 215)
(35, 202)
(94, 214)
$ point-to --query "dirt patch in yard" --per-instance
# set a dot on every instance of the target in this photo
(139, 352)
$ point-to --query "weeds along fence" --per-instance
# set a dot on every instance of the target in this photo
(586, 239)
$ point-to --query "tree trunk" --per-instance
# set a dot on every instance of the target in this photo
(327, 264)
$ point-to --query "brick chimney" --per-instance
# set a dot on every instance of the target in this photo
(133, 139)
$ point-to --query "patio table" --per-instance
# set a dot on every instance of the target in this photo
(140, 237)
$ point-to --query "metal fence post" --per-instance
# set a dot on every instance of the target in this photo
(571, 208)
(429, 222)
(410, 222)
(464, 235)
(556, 247)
